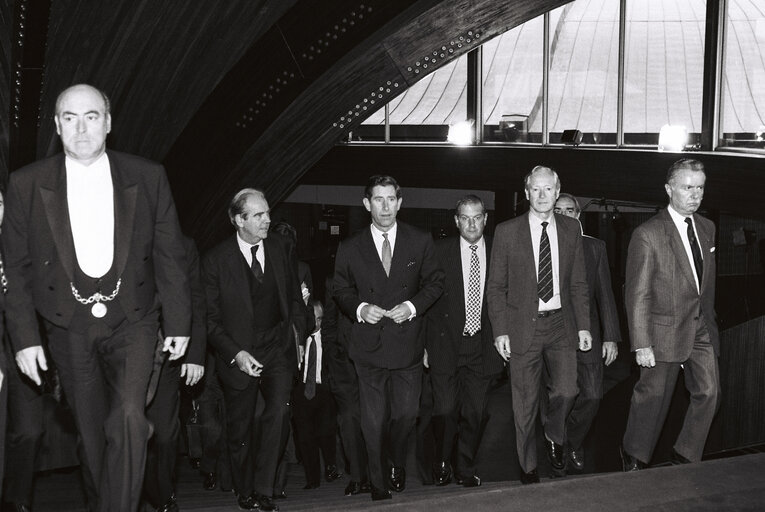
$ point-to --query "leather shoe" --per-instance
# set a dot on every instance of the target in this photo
(472, 481)
(246, 502)
(576, 457)
(331, 474)
(169, 506)
(555, 456)
(263, 502)
(210, 482)
(397, 479)
(194, 463)
(677, 459)
(280, 495)
(532, 477)
(353, 488)
(379, 494)
(630, 463)
(442, 473)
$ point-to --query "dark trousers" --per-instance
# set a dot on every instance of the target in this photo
(254, 467)
(459, 402)
(160, 476)
(24, 435)
(389, 404)
(549, 348)
(652, 396)
(105, 373)
(212, 418)
(589, 380)
(4, 368)
(316, 428)
(426, 441)
(345, 389)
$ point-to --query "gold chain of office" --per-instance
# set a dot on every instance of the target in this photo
(96, 297)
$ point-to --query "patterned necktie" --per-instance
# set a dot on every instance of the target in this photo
(545, 277)
(310, 377)
(698, 262)
(386, 254)
(257, 270)
(473, 311)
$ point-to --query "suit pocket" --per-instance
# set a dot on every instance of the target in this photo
(662, 319)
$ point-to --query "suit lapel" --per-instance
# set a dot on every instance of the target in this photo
(124, 214)
(454, 267)
(57, 211)
(676, 244)
(400, 254)
(237, 268)
(274, 259)
(368, 252)
(705, 242)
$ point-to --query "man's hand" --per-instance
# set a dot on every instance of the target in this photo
(585, 341)
(610, 351)
(425, 359)
(301, 355)
(1, 380)
(29, 359)
(304, 291)
(176, 345)
(372, 314)
(644, 357)
(400, 313)
(248, 364)
(502, 344)
(192, 372)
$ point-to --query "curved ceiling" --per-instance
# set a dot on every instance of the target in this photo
(232, 93)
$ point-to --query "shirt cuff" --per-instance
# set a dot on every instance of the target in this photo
(411, 307)
(358, 312)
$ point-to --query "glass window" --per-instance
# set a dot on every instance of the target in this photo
(664, 68)
(742, 105)
(584, 70)
(512, 67)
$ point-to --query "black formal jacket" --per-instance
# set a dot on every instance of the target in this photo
(414, 276)
(446, 318)
(40, 258)
(197, 349)
(229, 305)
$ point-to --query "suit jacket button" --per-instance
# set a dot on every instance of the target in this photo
(404, 287)
(46, 262)
(51, 288)
(533, 319)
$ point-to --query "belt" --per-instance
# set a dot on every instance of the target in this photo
(549, 312)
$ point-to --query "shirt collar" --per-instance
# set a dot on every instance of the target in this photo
(101, 164)
(465, 245)
(379, 234)
(245, 246)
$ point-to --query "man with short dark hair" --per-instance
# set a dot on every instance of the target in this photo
(669, 295)
(460, 345)
(604, 327)
(386, 277)
(253, 300)
(94, 247)
(538, 306)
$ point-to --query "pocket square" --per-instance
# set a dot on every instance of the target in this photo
(411, 263)
(712, 249)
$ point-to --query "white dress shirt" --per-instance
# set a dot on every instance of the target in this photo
(90, 198)
(682, 228)
(535, 223)
(313, 338)
(465, 254)
(246, 250)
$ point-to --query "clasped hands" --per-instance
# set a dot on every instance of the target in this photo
(372, 314)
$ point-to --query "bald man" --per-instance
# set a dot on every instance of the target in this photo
(95, 249)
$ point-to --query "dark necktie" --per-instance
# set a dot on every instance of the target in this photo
(257, 270)
(545, 277)
(698, 262)
(386, 254)
(473, 312)
(310, 377)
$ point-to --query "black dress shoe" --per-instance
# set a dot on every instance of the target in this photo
(442, 473)
(458, 480)
(246, 503)
(555, 456)
(194, 463)
(210, 482)
(280, 495)
(532, 477)
(169, 506)
(677, 459)
(331, 473)
(397, 480)
(630, 463)
(263, 502)
(473, 481)
(576, 458)
(380, 494)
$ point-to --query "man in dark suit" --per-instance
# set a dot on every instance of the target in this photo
(163, 411)
(253, 300)
(386, 277)
(94, 247)
(669, 295)
(538, 306)
(344, 384)
(460, 345)
(604, 327)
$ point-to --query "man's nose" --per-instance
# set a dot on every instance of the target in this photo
(81, 126)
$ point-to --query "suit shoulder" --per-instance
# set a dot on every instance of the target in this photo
(38, 169)
(220, 251)
(594, 242)
(413, 231)
(132, 161)
(510, 224)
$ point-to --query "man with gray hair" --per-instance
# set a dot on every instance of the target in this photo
(538, 307)
(253, 300)
(94, 247)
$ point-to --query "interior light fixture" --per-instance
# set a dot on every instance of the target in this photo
(673, 138)
(461, 133)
